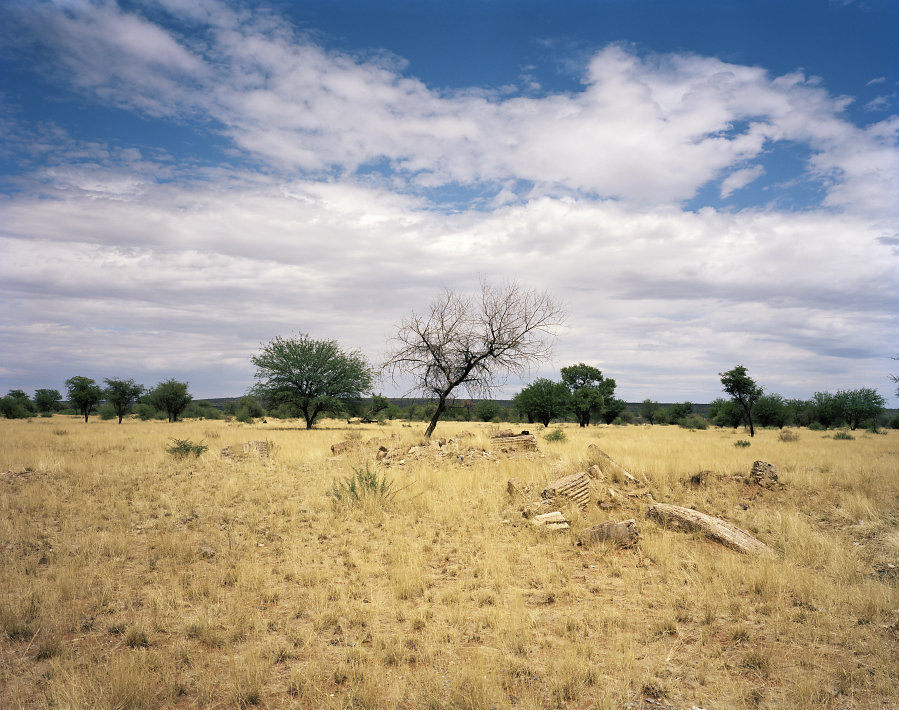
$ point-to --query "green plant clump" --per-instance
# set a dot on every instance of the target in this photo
(363, 486)
(741, 443)
(843, 436)
(182, 448)
(788, 435)
(555, 435)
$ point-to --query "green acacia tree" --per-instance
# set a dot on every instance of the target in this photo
(543, 400)
(861, 405)
(590, 391)
(121, 394)
(83, 394)
(613, 407)
(171, 396)
(743, 390)
(649, 410)
(47, 400)
(311, 376)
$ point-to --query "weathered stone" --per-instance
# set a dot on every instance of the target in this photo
(763, 474)
(382, 453)
(609, 467)
(595, 472)
(516, 442)
(574, 487)
(551, 521)
(624, 533)
(344, 446)
(227, 452)
(719, 530)
(259, 447)
(206, 552)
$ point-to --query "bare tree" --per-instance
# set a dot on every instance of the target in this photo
(474, 342)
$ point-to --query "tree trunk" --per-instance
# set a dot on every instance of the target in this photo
(120, 419)
(85, 416)
(441, 407)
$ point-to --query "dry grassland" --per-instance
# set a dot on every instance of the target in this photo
(131, 579)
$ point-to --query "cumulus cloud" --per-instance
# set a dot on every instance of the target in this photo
(337, 222)
(647, 129)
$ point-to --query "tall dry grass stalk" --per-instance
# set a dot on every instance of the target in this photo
(133, 579)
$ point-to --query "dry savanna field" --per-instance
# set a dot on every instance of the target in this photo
(131, 578)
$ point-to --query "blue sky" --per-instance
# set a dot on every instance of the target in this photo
(702, 183)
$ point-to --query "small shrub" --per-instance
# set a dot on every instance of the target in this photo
(741, 443)
(46, 415)
(555, 435)
(693, 422)
(816, 426)
(106, 412)
(137, 638)
(788, 435)
(182, 448)
(244, 416)
(145, 412)
(843, 436)
(362, 486)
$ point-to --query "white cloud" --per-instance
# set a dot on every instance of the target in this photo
(740, 179)
(646, 129)
(117, 257)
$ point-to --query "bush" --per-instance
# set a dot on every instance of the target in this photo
(816, 426)
(843, 436)
(243, 416)
(145, 412)
(693, 422)
(106, 412)
(788, 435)
(361, 487)
(894, 422)
(741, 443)
(555, 435)
(182, 448)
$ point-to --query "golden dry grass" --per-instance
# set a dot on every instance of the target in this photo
(131, 579)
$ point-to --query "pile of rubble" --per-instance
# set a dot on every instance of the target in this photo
(456, 449)
(262, 449)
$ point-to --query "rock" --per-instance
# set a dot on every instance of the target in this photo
(609, 467)
(763, 474)
(550, 521)
(574, 487)
(719, 530)
(514, 442)
(595, 472)
(623, 534)
(382, 453)
(206, 552)
(344, 446)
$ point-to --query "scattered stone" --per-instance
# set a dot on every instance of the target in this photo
(623, 534)
(551, 521)
(344, 446)
(595, 472)
(763, 474)
(256, 447)
(382, 453)
(719, 530)
(514, 442)
(609, 467)
(206, 552)
(574, 487)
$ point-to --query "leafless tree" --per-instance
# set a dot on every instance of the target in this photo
(474, 342)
